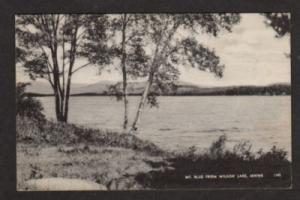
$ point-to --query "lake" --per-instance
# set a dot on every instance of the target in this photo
(183, 121)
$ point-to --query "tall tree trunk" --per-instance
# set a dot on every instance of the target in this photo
(63, 75)
(68, 86)
(59, 96)
(57, 90)
(123, 63)
(134, 126)
(67, 96)
(157, 61)
(57, 107)
(58, 103)
(70, 72)
(125, 101)
(154, 65)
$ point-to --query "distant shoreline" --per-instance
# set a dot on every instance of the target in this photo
(136, 89)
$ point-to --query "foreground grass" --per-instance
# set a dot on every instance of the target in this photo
(70, 151)
(53, 133)
(125, 162)
(114, 167)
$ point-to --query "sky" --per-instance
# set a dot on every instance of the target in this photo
(251, 53)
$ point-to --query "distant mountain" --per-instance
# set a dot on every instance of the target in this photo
(101, 87)
(183, 88)
(38, 87)
(95, 88)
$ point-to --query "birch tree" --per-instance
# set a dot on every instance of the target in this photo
(170, 51)
(130, 51)
(48, 46)
(126, 49)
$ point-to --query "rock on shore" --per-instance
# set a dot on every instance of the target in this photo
(62, 184)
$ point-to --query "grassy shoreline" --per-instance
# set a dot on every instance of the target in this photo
(126, 162)
(71, 151)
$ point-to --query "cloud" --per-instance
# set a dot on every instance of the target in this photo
(251, 54)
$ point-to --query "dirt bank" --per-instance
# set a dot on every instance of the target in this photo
(113, 167)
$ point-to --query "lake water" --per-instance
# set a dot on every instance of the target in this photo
(181, 122)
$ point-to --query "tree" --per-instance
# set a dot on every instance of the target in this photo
(130, 52)
(169, 50)
(48, 47)
(280, 22)
(127, 46)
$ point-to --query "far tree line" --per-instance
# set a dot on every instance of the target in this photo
(138, 45)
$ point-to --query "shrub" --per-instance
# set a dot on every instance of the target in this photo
(28, 106)
(27, 130)
(217, 161)
(217, 148)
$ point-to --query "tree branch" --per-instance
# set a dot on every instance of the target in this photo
(82, 33)
(50, 80)
(82, 66)
(49, 64)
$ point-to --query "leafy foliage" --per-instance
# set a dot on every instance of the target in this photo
(47, 46)
(167, 50)
(28, 106)
(170, 51)
(217, 148)
(133, 43)
(220, 161)
(116, 91)
(109, 27)
(95, 46)
(280, 22)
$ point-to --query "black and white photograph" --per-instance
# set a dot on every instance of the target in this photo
(153, 101)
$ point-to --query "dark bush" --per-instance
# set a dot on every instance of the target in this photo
(27, 106)
(274, 166)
